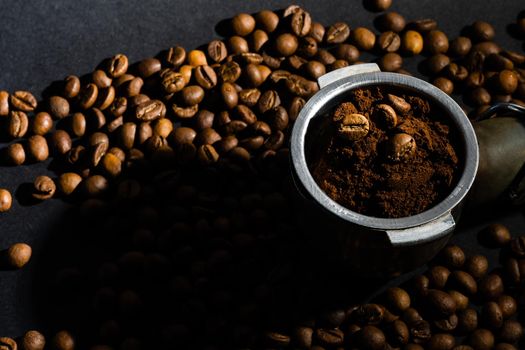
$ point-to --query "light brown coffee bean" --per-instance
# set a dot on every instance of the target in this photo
(23, 101)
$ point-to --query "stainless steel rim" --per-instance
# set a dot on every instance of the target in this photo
(313, 106)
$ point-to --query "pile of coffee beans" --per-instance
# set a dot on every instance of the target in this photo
(179, 164)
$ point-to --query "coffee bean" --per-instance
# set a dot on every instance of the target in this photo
(391, 21)
(398, 333)
(492, 315)
(204, 119)
(511, 331)
(508, 305)
(258, 39)
(148, 66)
(230, 71)
(71, 86)
(352, 127)
(229, 95)
(412, 42)
(226, 144)
(301, 23)
(337, 33)
(397, 299)
(302, 336)
(234, 127)
(17, 124)
(378, 5)
(385, 115)
(76, 155)
(307, 47)
(175, 56)
(329, 337)
(184, 112)
(150, 110)
(480, 96)
(490, 287)
(486, 48)
(7, 344)
(325, 57)
(18, 255)
(372, 337)
(172, 81)
(461, 299)
(267, 20)
(43, 188)
(249, 97)
(95, 185)
(346, 52)
(390, 62)
(100, 79)
(208, 136)
(275, 141)
(467, 321)
(420, 285)
(389, 41)
(33, 340)
(453, 256)
(117, 66)
(88, 96)
(5, 200)
(317, 32)
(440, 303)
(237, 45)
(207, 154)
(23, 101)
(423, 25)
(436, 63)
(441, 341)
(4, 103)
(481, 339)
(192, 95)
(482, 31)
(68, 182)
(163, 127)
(132, 87)
(60, 142)
(495, 236)
(118, 107)
(436, 42)
(455, 72)
(460, 46)
(243, 24)
(277, 339)
(37, 148)
(506, 81)
(496, 62)
(268, 100)
(517, 246)
(363, 38)
(15, 154)
(205, 76)
(63, 340)
(286, 44)
(401, 147)
(438, 276)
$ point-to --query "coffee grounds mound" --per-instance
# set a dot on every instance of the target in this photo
(360, 176)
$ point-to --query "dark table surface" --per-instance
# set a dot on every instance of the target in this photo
(43, 41)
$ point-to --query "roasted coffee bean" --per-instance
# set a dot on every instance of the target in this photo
(372, 337)
(71, 86)
(455, 72)
(352, 127)
(111, 165)
(105, 98)
(192, 95)
(486, 48)
(517, 246)
(436, 42)
(399, 103)
(237, 45)
(347, 52)
(117, 66)
(302, 336)
(423, 25)
(132, 87)
(37, 148)
(300, 86)
(401, 147)
(481, 339)
(496, 62)
(314, 69)
(95, 119)
(226, 144)
(436, 63)
(58, 107)
(398, 333)
(278, 118)
(363, 38)
(480, 96)
(275, 141)
(15, 154)
(390, 62)
(440, 303)
(7, 344)
(252, 143)
(4, 103)
(162, 127)
(150, 110)
(511, 331)
(447, 324)
(389, 41)
(268, 100)
(420, 331)
(18, 255)
(230, 71)
(43, 188)
(172, 81)
(258, 39)
(467, 321)
(148, 66)
(438, 276)
(492, 315)
(33, 340)
(127, 133)
(301, 23)
(17, 124)
(124, 78)
(295, 107)
(96, 153)
(385, 115)
(260, 128)
(63, 340)
(286, 44)
(119, 106)
(217, 50)
(441, 341)
(243, 24)
(462, 301)
(277, 339)
(490, 287)
(337, 33)
(88, 96)
(208, 137)
(495, 236)
(475, 80)
(482, 31)
(229, 95)
(506, 81)
(204, 119)
(6, 200)
(175, 56)
(460, 46)
(267, 20)
(41, 124)
(23, 101)
(378, 5)
(329, 337)
(205, 76)
(100, 79)
(60, 142)
(508, 305)
(464, 282)
(412, 42)
(144, 132)
(68, 182)
(95, 185)
(317, 32)
(325, 57)
(397, 299)
(249, 97)
(391, 21)
(207, 154)
(296, 62)
(421, 285)
(452, 256)
(183, 135)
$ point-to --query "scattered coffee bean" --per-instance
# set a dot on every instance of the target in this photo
(401, 147)
(4, 103)
(5, 200)
(18, 255)
(43, 188)
(391, 21)
(23, 101)
(37, 148)
(33, 340)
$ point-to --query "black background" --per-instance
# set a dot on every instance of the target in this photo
(42, 41)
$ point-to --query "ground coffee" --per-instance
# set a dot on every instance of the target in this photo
(386, 153)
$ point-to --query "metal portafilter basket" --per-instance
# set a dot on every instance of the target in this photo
(387, 246)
